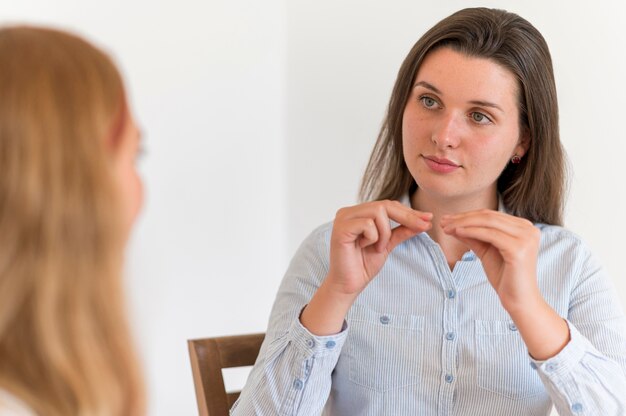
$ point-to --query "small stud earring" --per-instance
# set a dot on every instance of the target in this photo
(516, 160)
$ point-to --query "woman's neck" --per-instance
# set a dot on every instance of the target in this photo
(452, 248)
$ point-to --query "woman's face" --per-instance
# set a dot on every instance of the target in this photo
(126, 175)
(460, 125)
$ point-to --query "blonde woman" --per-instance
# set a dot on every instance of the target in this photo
(69, 192)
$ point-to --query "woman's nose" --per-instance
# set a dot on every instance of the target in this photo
(447, 132)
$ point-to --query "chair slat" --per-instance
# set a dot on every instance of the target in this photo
(232, 398)
(208, 357)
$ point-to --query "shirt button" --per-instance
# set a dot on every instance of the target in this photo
(451, 293)
(550, 367)
(469, 256)
(297, 384)
(330, 344)
(512, 327)
(310, 343)
(384, 319)
(449, 378)
(577, 407)
(450, 336)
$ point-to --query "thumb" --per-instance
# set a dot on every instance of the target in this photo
(477, 246)
(400, 234)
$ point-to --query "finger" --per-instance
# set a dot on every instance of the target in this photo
(383, 230)
(407, 216)
(383, 227)
(509, 224)
(502, 241)
(477, 246)
(401, 233)
(370, 235)
(360, 230)
(393, 210)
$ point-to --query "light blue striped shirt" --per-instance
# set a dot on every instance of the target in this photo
(424, 340)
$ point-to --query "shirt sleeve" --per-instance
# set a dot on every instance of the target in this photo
(292, 374)
(588, 377)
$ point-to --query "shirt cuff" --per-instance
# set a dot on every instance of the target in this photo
(314, 345)
(561, 365)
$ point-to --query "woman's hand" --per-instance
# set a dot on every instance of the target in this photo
(507, 247)
(362, 238)
(361, 241)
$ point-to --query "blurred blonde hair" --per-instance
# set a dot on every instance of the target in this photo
(65, 347)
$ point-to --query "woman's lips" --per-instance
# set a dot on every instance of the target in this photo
(440, 165)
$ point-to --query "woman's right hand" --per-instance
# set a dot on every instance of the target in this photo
(362, 239)
(360, 243)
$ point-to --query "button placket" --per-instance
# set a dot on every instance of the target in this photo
(450, 325)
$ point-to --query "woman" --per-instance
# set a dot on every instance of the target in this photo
(455, 290)
(69, 192)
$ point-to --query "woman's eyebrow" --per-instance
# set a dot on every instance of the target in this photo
(486, 104)
(428, 86)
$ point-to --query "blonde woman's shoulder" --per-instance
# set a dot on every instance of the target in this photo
(11, 406)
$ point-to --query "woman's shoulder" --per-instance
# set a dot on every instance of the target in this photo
(557, 231)
(323, 231)
(561, 238)
(12, 406)
(319, 235)
(317, 242)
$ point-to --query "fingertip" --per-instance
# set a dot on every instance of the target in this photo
(422, 226)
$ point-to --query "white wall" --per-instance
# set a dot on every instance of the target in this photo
(259, 118)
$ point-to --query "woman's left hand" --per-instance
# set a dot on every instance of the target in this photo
(507, 247)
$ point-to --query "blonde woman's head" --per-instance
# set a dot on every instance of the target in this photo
(68, 195)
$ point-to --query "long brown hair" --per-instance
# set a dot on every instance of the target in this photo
(65, 346)
(533, 189)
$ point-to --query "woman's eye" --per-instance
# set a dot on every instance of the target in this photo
(428, 102)
(480, 118)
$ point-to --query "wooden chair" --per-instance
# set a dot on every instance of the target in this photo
(208, 357)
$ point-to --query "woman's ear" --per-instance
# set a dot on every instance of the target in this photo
(112, 141)
(523, 144)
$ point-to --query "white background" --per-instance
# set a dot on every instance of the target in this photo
(258, 120)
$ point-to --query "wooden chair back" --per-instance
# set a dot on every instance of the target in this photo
(208, 357)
